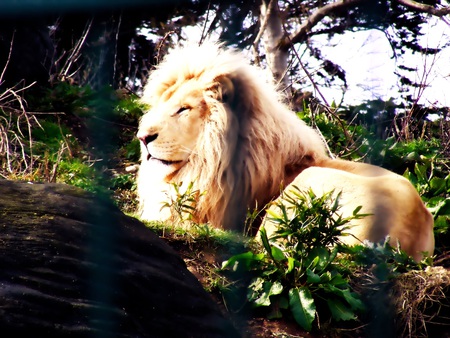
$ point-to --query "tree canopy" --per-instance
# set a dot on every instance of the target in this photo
(117, 44)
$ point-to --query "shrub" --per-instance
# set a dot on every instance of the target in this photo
(295, 269)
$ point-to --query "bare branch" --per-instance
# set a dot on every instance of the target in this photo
(266, 12)
(75, 54)
(9, 57)
(439, 12)
(301, 34)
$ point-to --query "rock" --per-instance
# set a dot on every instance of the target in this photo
(72, 264)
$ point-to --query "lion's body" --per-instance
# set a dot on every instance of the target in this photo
(390, 202)
(214, 121)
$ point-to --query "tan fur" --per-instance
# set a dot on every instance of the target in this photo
(237, 142)
(394, 207)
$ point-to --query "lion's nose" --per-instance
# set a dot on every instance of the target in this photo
(146, 139)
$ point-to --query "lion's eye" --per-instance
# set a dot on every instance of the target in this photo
(182, 109)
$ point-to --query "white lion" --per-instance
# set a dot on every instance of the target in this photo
(214, 121)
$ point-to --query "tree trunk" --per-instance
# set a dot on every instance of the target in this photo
(272, 34)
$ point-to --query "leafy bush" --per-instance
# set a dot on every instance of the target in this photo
(432, 181)
(384, 261)
(355, 142)
(295, 269)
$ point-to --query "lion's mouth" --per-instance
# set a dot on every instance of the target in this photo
(165, 162)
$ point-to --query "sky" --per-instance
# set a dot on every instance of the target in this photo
(368, 60)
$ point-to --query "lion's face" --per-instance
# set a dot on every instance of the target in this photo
(169, 131)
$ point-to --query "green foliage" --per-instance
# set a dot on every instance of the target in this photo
(432, 180)
(77, 132)
(356, 142)
(385, 260)
(123, 181)
(67, 98)
(295, 269)
(80, 174)
(130, 109)
(182, 202)
(50, 136)
(132, 150)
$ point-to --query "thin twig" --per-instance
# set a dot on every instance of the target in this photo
(74, 56)
(203, 36)
(262, 28)
(9, 57)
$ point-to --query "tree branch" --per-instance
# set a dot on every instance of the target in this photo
(439, 12)
(265, 19)
(301, 34)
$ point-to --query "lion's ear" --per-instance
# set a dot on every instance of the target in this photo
(223, 89)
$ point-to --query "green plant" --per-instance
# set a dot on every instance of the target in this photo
(354, 141)
(432, 181)
(123, 181)
(80, 174)
(130, 109)
(183, 202)
(384, 260)
(131, 150)
(295, 269)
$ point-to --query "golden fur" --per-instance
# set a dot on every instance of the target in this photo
(215, 121)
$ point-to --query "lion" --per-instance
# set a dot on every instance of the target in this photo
(216, 122)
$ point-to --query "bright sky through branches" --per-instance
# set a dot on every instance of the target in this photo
(368, 61)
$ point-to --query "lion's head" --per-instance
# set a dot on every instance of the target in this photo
(215, 121)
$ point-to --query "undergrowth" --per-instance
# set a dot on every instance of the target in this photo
(72, 135)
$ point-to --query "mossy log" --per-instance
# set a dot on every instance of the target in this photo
(71, 264)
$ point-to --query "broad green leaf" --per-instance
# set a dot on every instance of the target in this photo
(420, 171)
(276, 289)
(255, 288)
(338, 280)
(245, 260)
(265, 240)
(443, 208)
(325, 277)
(438, 185)
(312, 277)
(277, 254)
(302, 307)
(291, 264)
(263, 300)
(351, 298)
(314, 260)
(410, 176)
(319, 257)
(339, 311)
(269, 289)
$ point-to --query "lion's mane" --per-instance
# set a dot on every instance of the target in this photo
(250, 143)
